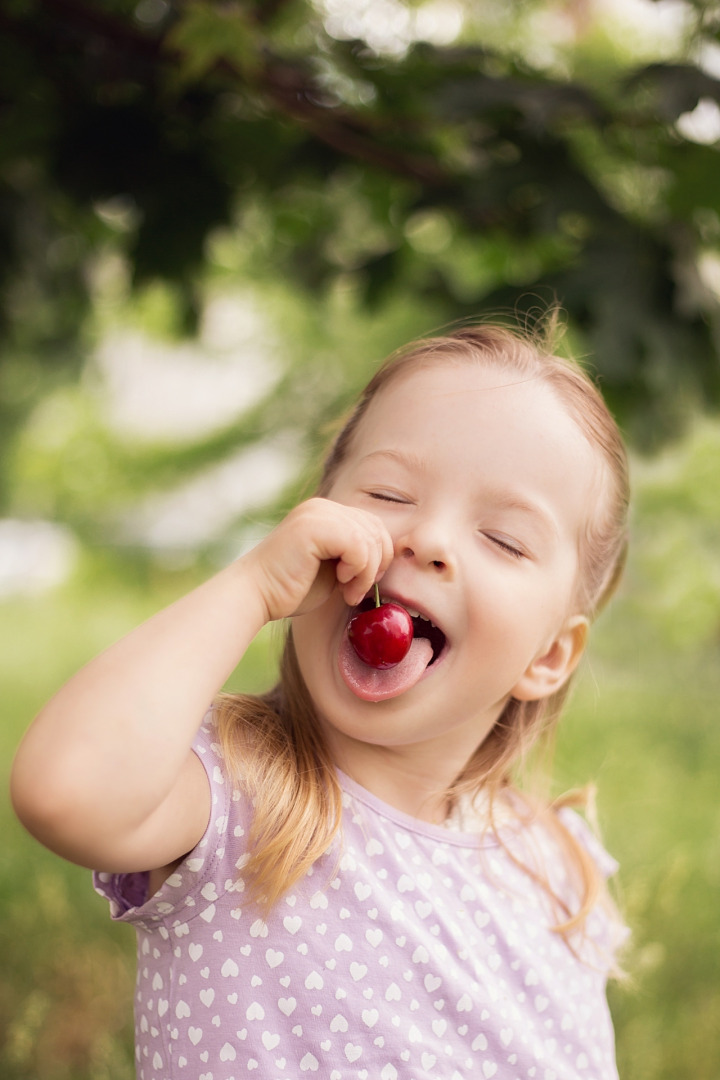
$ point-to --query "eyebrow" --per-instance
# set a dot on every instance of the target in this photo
(509, 501)
(502, 500)
(408, 459)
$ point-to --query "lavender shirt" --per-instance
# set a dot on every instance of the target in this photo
(410, 952)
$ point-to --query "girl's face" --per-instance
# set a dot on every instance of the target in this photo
(485, 484)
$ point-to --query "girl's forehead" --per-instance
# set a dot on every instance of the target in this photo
(455, 389)
(457, 375)
(475, 414)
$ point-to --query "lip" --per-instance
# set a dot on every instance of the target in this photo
(396, 598)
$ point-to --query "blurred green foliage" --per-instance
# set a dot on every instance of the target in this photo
(493, 169)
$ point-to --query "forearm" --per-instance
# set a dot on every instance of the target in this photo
(115, 738)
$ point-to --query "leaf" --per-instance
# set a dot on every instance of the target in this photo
(207, 35)
(541, 103)
(675, 88)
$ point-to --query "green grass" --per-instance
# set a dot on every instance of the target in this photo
(643, 724)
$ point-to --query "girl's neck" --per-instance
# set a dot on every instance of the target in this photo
(409, 783)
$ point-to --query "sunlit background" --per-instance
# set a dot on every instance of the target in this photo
(169, 450)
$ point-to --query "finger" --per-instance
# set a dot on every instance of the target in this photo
(355, 588)
(358, 562)
(387, 552)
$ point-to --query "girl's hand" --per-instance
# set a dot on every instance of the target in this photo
(320, 546)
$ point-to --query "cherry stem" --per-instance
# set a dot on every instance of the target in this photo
(377, 595)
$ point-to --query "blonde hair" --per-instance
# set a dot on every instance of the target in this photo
(273, 744)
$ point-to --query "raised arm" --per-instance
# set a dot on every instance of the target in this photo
(105, 775)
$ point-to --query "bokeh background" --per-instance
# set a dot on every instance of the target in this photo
(215, 219)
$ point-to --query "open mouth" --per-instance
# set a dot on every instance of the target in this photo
(371, 683)
(422, 626)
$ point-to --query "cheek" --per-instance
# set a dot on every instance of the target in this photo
(307, 657)
(501, 591)
(331, 486)
(511, 614)
(315, 636)
(305, 631)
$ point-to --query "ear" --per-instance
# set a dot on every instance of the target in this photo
(547, 673)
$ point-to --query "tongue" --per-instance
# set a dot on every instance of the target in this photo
(374, 684)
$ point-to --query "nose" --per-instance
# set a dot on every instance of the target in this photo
(428, 542)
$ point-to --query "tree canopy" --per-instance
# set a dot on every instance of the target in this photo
(479, 177)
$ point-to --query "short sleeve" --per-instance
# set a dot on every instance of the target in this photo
(581, 831)
(185, 893)
(605, 931)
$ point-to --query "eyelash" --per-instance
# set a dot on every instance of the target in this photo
(383, 497)
(504, 546)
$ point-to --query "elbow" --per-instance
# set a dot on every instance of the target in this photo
(44, 803)
(31, 800)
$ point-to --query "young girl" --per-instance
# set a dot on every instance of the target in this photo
(340, 877)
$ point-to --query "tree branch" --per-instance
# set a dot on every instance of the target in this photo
(287, 89)
(345, 133)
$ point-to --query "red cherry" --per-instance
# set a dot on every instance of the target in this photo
(381, 636)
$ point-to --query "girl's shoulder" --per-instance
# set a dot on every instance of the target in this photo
(575, 867)
(587, 837)
(563, 863)
(556, 833)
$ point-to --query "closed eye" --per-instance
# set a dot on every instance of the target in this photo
(385, 496)
(505, 545)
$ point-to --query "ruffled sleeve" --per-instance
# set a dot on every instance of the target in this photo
(192, 886)
(605, 932)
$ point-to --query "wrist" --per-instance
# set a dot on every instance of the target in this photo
(251, 584)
